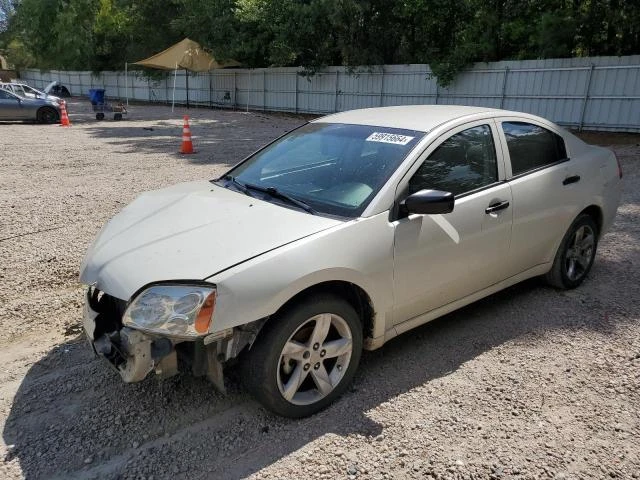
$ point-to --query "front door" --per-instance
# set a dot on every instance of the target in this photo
(443, 258)
(10, 108)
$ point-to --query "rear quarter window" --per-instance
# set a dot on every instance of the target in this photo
(532, 147)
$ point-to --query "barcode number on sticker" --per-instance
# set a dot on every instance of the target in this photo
(389, 138)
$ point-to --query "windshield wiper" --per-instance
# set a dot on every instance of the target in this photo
(237, 184)
(274, 192)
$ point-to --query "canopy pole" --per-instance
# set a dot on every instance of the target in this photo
(186, 73)
(126, 82)
(173, 97)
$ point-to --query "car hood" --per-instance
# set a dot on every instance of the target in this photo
(189, 232)
(48, 88)
(39, 101)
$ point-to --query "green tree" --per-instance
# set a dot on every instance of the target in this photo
(447, 34)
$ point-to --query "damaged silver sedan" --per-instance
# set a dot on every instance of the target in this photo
(337, 237)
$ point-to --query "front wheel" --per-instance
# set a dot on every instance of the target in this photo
(575, 255)
(47, 115)
(306, 357)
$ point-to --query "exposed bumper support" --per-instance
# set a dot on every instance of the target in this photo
(137, 347)
(134, 354)
(129, 351)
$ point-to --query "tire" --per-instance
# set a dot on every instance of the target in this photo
(575, 255)
(306, 327)
(117, 117)
(100, 116)
(47, 115)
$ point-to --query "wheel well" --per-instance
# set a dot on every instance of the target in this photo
(596, 213)
(352, 293)
(46, 107)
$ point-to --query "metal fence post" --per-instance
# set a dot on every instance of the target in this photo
(210, 90)
(235, 90)
(296, 92)
(504, 86)
(382, 86)
(335, 105)
(586, 97)
(264, 90)
(249, 91)
(437, 91)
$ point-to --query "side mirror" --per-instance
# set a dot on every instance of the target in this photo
(429, 202)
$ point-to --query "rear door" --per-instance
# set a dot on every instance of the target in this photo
(545, 185)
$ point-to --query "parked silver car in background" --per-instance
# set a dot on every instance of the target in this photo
(24, 90)
(21, 102)
(337, 237)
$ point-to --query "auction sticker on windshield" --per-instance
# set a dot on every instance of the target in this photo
(389, 138)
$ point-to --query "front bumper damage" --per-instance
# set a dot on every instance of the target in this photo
(134, 354)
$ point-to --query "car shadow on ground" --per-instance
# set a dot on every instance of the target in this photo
(73, 417)
(218, 136)
(223, 142)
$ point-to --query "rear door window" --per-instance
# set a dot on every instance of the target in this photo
(532, 147)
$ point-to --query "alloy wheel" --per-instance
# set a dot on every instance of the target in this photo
(579, 253)
(314, 359)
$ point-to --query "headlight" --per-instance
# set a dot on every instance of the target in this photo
(180, 310)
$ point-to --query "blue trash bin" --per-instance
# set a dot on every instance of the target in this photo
(96, 96)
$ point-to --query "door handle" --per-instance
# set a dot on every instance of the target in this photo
(497, 206)
(572, 179)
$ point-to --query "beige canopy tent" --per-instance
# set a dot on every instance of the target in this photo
(187, 55)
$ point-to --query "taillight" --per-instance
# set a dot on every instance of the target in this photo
(619, 166)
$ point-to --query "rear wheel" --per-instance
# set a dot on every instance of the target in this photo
(47, 115)
(575, 255)
(305, 358)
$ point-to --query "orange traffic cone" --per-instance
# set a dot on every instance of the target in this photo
(187, 144)
(64, 118)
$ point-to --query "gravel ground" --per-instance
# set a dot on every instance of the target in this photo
(528, 383)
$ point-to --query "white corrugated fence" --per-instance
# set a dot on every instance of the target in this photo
(594, 93)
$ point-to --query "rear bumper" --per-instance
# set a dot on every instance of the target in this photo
(610, 205)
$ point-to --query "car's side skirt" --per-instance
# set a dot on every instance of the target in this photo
(374, 343)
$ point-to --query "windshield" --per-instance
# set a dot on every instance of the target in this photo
(33, 91)
(18, 90)
(336, 169)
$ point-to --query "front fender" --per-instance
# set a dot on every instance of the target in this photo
(359, 252)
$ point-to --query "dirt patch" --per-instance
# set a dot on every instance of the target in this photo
(529, 383)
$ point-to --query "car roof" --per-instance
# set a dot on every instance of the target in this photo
(412, 117)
